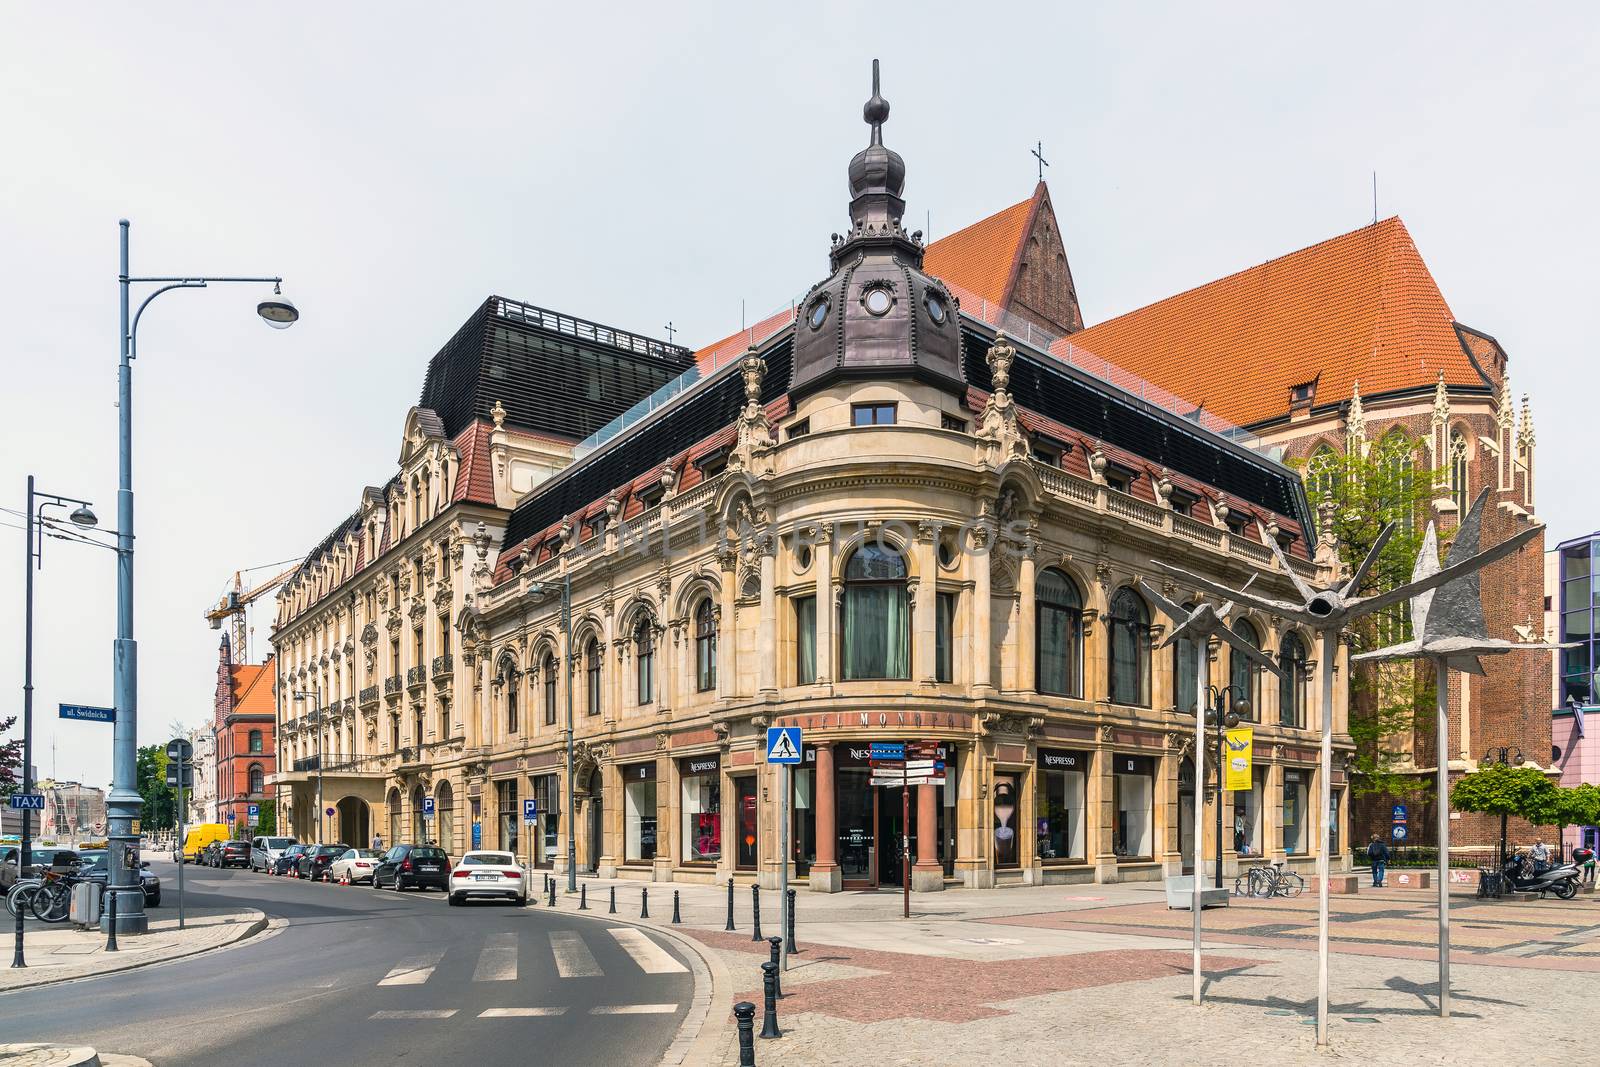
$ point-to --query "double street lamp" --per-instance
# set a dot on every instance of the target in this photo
(1225, 717)
(124, 803)
(1506, 756)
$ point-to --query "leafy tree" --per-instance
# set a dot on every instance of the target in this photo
(150, 776)
(1498, 789)
(10, 759)
(1364, 493)
(1561, 808)
(267, 821)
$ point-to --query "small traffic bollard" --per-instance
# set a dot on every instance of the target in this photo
(644, 903)
(769, 991)
(676, 916)
(755, 910)
(583, 897)
(793, 947)
(552, 892)
(745, 1014)
(613, 909)
(777, 969)
(111, 920)
(730, 905)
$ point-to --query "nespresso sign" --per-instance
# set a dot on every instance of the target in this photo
(1057, 760)
(701, 764)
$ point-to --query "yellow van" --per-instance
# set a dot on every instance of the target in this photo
(198, 838)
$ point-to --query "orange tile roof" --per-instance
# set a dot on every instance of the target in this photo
(982, 258)
(1360, 307)
(250, 696)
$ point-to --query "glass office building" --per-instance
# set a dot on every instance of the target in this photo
(1579, 612)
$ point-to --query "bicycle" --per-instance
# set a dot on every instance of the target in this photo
(20, 896)
(52, 901)
(1269, 880)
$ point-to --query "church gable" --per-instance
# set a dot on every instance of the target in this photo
(1041, 287)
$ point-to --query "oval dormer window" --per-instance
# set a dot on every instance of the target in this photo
(819, 314)
(936, 309)
(878, 301)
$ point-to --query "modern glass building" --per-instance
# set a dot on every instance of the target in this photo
(1579, 562)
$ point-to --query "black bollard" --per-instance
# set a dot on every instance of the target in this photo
(644, 903)
(755, 910)
(744, 1013)
(111, 923)
(793, 947)
(677, 917)
(552, 892)
(769, 991)
(777, 969)
(583, 897)
(613, 909)
(730, 905)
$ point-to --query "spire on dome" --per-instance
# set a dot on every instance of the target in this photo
(877, 174)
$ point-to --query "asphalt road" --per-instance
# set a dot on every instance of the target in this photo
(364, 977)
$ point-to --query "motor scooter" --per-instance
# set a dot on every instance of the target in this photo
(1522, 875)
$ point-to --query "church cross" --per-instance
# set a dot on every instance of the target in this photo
(1038, 153)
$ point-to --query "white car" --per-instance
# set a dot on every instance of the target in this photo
(487, 874)
(356, 865)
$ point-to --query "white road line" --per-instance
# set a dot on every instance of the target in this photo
(434, 1013)
(519, 1013)
(634, 1009)
(498, 960)
(573, 958)
(651, 957)
(413, 971)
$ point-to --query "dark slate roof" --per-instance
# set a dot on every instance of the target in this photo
(1044, 384)
(553, 373)
(703, 411)
(350, 525)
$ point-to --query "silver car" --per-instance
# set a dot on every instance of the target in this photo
(264, 851)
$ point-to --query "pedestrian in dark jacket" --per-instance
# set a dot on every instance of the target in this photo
(1378, 856)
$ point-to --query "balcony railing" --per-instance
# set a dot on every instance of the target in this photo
(441, 667)
(310, 763)
(392, 685)
(416, 677)
(369, 696)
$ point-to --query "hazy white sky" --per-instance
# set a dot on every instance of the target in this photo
(398, 162)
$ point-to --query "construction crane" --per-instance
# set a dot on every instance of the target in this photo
(234, 602)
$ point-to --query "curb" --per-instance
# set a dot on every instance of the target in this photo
(251, 929)
(699, 1039)
(32, 1054)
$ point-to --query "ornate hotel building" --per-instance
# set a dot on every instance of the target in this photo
(904, 511)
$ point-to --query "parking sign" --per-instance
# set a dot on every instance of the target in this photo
(530, 811)
(427, 807)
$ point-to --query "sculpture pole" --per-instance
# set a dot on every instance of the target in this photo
(1330, 650)
(1199, 805)
(1441, 685)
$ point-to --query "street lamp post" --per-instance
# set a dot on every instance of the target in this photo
(1224, 719)
(571, 669)
(1509, 756)
(315, 696)
(124, 803)
(84, 519)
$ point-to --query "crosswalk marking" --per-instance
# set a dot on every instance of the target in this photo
(519, 1013)
(634, 1009)
(651, 957)
(413, 971)
(573, 958)
(498, 960)
(428, 1013)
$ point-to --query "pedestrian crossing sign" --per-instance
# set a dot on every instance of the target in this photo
(783, 744)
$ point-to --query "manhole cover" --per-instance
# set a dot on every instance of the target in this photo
(1358, 1019)
(1281, 1011)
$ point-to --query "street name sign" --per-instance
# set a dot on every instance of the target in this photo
(27, 801)
(887, 751)
(88, 713)
(783, 745)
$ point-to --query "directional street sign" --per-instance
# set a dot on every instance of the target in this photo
(915, 765)
(783, 745)
(27, 801)
(894, 781)
(230, 816)
(179, 749)
(88, 713)
(887, 751)
(530, 811)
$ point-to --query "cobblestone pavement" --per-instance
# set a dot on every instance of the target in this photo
(61, 953)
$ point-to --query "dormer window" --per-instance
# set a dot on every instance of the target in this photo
(818, 314)
(1182, 502)
(872, 414)
(1119, 478)
(714, 462)
(651, 495)
(1236, 522)
(1300, 396)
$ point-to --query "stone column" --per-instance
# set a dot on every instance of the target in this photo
(767, 628)
(1102, 806)
(1027, 618)
(982, 630)
(825, 874)
(924, 607)
(927, 876)
(825, 608)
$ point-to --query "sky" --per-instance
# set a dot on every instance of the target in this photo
(650, 164)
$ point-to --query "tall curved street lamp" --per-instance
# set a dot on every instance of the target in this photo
(124, 803)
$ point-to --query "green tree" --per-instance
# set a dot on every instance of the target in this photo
(1360, 494)
(1498, 789)
(267, 821)
(10, 759)
(1561, 808)
(150, 777)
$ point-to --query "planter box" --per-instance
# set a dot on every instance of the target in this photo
(1408, 878)
(1180, 894)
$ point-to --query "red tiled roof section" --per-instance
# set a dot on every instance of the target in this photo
(982, 257)
(1358, 307)
(475, 483)
(717, 353)
(252, 688)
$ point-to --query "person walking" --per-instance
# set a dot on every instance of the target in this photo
(1378, 856)
(377, 842)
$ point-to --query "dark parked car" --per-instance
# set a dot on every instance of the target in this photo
(413, 867)
(315, 861)
(208, 855)
(288, 860)
(94, 869)
(231, 854)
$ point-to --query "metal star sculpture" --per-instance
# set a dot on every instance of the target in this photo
(1207, 621)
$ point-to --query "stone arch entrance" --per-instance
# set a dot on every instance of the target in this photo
(394, 817)
(419, 825)
(444, 802)
(590, 788)
(355, 822)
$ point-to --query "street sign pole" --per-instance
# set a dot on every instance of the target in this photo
(784, 918)
(905, 836)
(181, 836)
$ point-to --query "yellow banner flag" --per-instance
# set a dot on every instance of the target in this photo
(1238, 747)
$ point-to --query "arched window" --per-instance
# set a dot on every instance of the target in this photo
(1183, 674)
(255, 742)
(1059, 622)
(1458, 471)
(644, 658)
(591, 659)
(258, 781)
(875, 615)
(1128, 649)
(1323, 475)
(549, 670)
(705, 646)
(509, 683)
(416, 503)
(1241, 672)
(1292, 686)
